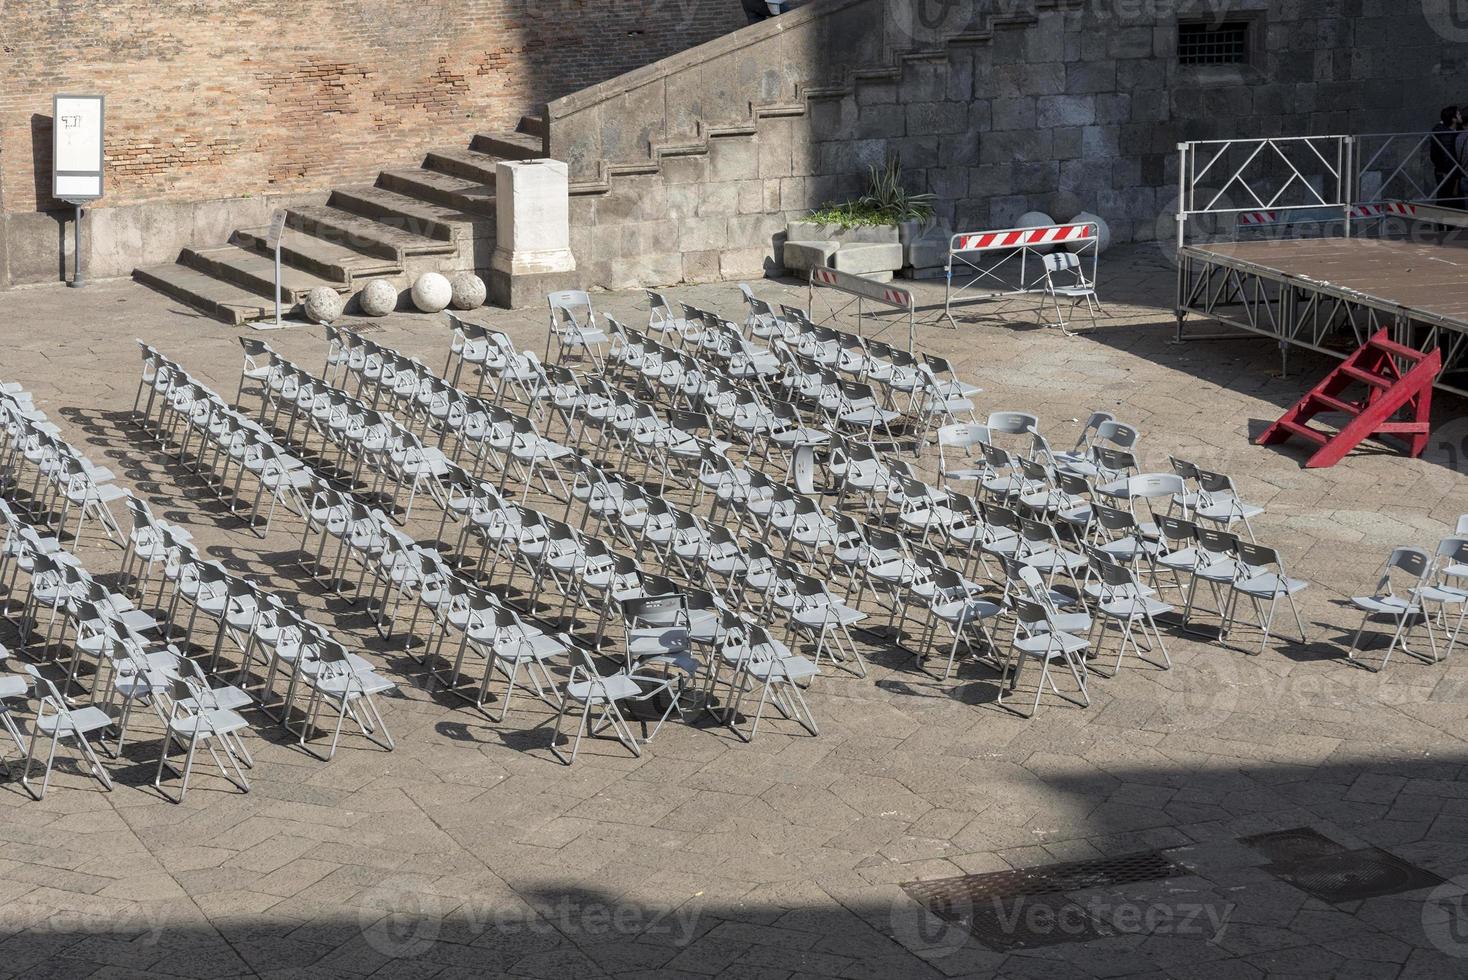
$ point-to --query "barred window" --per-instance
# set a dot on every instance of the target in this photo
(1207, 43)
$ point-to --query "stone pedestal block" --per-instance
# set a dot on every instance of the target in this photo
(533, 241)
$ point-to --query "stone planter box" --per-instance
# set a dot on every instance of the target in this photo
(813, 231)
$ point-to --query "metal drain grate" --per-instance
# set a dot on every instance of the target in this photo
(1350, 876)
(1025, 908)
(1296, 844)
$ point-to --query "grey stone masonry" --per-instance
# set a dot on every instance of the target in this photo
(692, 167)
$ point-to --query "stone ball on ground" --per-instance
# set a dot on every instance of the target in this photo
(323, 304)
(468, 291)
(432, 292)
(378, 298)
(1103, 230)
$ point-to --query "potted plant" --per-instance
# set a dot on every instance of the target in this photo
(887, 212)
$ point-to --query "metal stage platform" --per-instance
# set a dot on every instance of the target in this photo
(1330, 239)
(1331, 294)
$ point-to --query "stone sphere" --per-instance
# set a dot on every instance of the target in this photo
(323, 304)
(1103, 237)
(432, 292)
(378, 298)
(1036, 219)
(468, 291)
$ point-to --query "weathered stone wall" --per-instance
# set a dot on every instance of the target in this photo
(230, 100)
(996, 108)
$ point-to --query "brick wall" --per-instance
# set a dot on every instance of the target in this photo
(242, 97)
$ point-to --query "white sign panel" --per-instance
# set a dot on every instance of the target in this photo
(77, 147)
(277, 229)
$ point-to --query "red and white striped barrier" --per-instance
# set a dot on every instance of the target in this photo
(856, 285)
(1023, 237)
(1393, 208)
(1258, 217)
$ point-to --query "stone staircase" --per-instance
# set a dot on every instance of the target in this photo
(436, 217)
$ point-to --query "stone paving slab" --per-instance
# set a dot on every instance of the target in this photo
(469, 852)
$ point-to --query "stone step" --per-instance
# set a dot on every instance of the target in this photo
(317, 256)
(532, 125)
(412, 214)
(255, 272)
(447, 190)
(222, 300)
(509, 146)
(467, 164)
(363, 234)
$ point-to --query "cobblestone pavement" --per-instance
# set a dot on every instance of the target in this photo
(469, 852)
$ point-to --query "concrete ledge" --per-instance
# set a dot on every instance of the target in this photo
(805, 256)
(863, 260)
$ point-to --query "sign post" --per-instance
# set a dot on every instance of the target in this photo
(76, 160)
(272, 241)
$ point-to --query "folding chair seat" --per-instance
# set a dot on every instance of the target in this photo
(1400, 603)
(824, 617)
(508, 645)
(1065, 278)
(1120, 537)
(191, 724)
(858, 409)
(1080, 454)
(962, 607)
(1123, 600)
(347, 684)
(573, 326)
(1041, 549)
(759, 660)
(1442, 588)
(924, 509)
(960, 440)
(55, 720)
(1036, 638)
(1219, 503)
(1262, 577)
(594, 691)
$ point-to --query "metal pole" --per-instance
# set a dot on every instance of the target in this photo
(1348, 180)
(277, 283)
(78, 277)
(1182, 228)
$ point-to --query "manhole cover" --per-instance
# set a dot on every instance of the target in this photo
(1349, 876)
(1025, 908)
(1296, 844)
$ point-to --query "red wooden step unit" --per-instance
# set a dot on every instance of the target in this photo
(1389, 391)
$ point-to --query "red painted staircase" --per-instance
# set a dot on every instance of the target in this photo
(1397, 402)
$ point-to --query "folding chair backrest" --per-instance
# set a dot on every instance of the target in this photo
(1258, 555)
(1216, 542)
(662, 610)
(962, 435)
(1061, 261)
(1413, 561)
(1183, 468)
(1176, 530)
(1012, 423)
(1462, 530)
(1119, 434)
(1112, 519)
